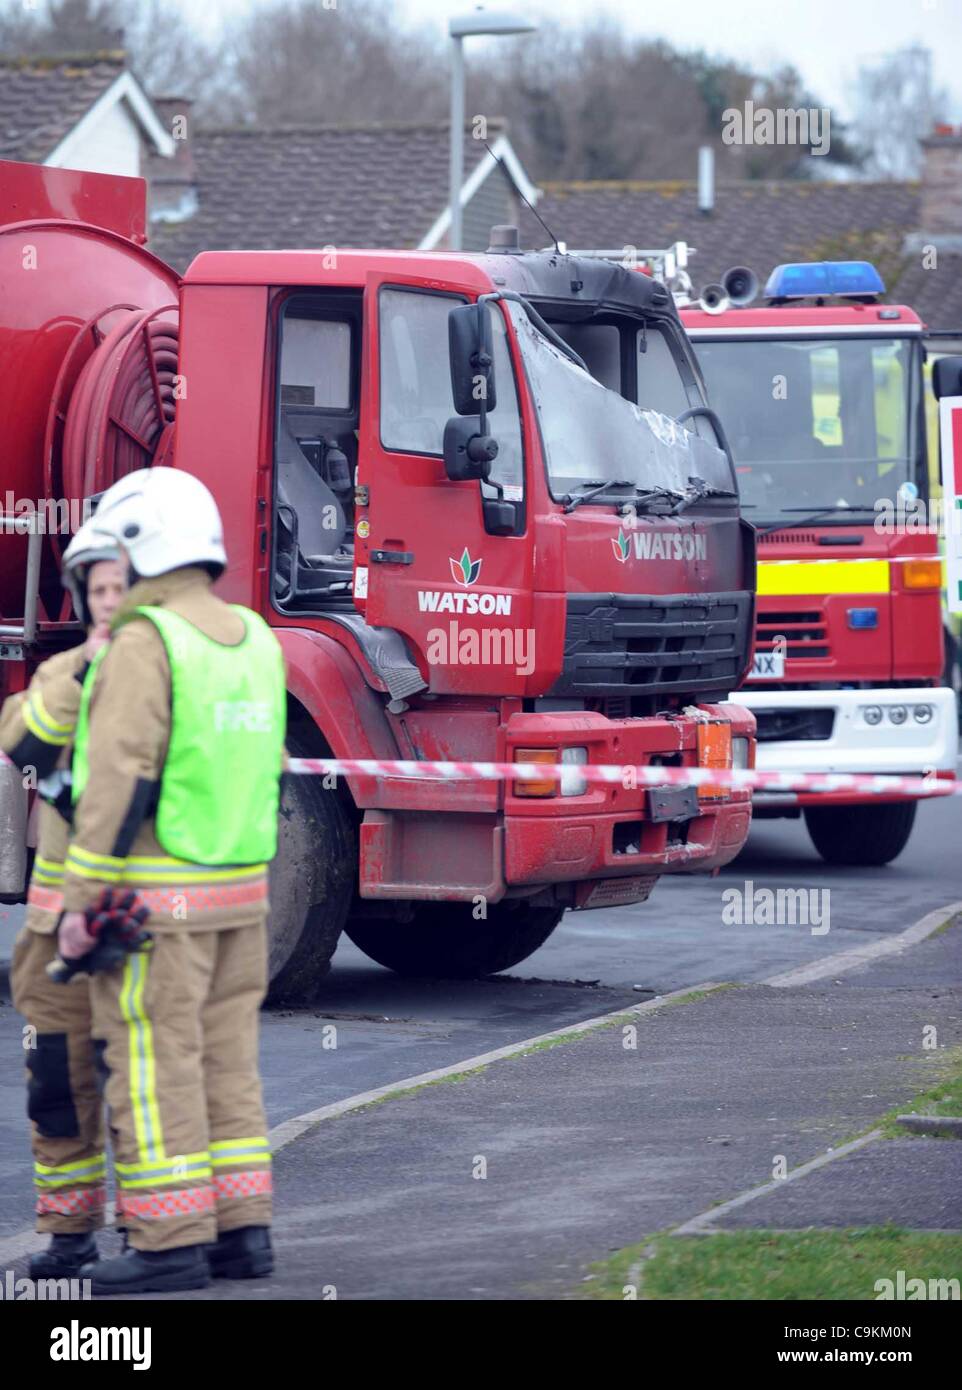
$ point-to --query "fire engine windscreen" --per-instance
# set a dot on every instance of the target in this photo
(591, 433)
(820, 423)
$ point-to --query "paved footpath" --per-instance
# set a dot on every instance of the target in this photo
(508, 1184)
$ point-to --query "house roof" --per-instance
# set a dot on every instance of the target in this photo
(43, 99)
(45, 102)
(761, 225)
(381, 184)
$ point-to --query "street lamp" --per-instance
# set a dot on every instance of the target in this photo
(497, 22)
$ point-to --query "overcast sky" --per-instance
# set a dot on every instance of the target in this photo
(825, 39)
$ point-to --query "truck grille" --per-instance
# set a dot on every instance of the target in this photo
(788, 537)
(805, 632)
(627, 645)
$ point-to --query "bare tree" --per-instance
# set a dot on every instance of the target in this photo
(63, 27)
(163, 48)
(895, 104)
(303, 62)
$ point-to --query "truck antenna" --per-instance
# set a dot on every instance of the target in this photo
(497, 157)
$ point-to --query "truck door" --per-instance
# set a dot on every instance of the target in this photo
(425, 564)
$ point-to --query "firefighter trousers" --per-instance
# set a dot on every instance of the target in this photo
(64, 1101)
(180, 1025)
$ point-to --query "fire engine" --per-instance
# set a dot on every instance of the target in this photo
(821, 395)
(412, 452)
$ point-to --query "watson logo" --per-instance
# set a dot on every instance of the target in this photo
(465, 570)
(661, 545)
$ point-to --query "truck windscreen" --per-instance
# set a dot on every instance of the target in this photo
(592, 434)
(820, 423)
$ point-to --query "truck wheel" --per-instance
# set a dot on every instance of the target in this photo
(861, 834)
(312, 881)
(445, 940)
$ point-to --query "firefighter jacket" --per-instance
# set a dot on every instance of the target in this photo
(114, 834)
(36, 732)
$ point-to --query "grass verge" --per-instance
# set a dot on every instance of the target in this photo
(772, 1265)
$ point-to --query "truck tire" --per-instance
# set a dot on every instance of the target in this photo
(446, 942)
(866, 835)
(312, 882)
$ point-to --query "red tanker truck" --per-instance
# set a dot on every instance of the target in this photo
(482, 503)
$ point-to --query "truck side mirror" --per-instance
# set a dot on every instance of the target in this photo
(467, 454)
(471, 350)
(947, 377)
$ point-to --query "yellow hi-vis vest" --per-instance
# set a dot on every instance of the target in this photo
(219, 787)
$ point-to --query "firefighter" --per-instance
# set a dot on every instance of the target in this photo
(176, 772)
(63, 1098)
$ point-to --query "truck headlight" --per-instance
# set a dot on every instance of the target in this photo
(873, 714)
(739, 752)
(573, 783)
(898, 714)
(923, 713)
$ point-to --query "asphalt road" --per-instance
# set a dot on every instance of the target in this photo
(388, 1029)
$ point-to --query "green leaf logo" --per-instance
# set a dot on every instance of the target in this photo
(620, 547)
(465, 570)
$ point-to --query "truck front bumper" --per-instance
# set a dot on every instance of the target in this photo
(581, 845)
(852, 731)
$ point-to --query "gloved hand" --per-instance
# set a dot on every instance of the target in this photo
(115, 927)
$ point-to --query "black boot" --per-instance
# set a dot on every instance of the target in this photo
(242, 1254)
(150, 1271)
(64, 1256)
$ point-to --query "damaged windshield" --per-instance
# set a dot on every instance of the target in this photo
(592, 435)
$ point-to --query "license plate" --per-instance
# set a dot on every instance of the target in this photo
(768, 666)
(672, 803)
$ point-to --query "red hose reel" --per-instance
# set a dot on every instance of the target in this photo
(115, 400)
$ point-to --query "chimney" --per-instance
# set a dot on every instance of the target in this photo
(940, 213)
(172, 183)
(706, 180)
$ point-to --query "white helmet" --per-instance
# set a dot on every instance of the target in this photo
(83, 552)
(164, 518)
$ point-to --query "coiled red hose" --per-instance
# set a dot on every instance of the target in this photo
(122, 408)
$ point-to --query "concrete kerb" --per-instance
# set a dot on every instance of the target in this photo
(703, 1224)
(290, 1130)
(939, 1125)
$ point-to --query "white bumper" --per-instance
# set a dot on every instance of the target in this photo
(855, 745)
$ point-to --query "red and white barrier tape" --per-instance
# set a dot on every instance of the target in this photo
(628, 775)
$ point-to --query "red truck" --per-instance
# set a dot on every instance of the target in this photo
(440, 489)
(821, 394)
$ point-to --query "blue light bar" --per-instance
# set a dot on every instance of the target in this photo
(814, 278)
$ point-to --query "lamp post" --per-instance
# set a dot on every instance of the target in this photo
(497, 22)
